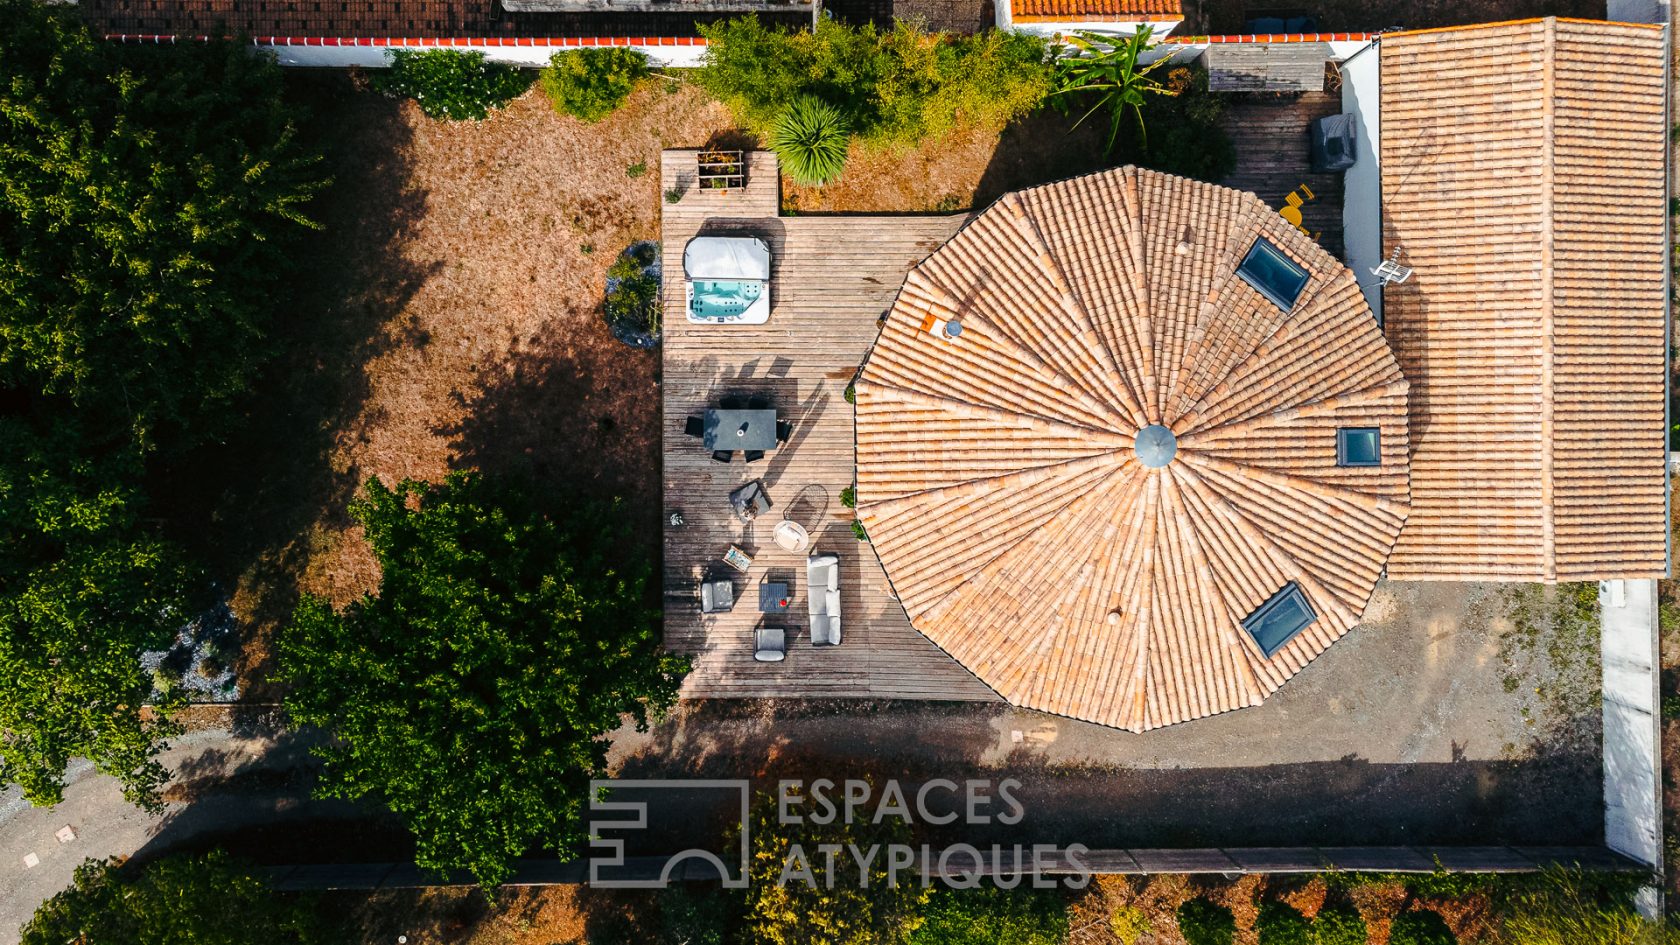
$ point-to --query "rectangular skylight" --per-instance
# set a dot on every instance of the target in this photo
(1273, 274)
(1359, 446)
(1276, 622)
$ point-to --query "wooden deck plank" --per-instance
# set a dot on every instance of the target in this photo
(1270, 137)
(832, 277)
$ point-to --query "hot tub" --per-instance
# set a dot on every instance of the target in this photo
(727, 280)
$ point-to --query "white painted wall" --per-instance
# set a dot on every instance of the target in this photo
(1117, 27)
(1362, 183)
(1632, 731)
(339, 53)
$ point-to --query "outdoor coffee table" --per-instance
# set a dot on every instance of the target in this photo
(773, 597)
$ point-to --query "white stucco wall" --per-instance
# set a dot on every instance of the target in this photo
(1362, 183)
(1632, 729)
(339, 53)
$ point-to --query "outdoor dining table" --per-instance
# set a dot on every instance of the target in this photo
(739, 430)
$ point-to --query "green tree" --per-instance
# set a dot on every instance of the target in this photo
(793, 899)
(83, 590)
(449, 84)
(150, 203)
(891, 87)
(180, 900)
(1206, 923)
(1280, 924)
(988, 915)
(592, 83)
(1338, 924)
(1420, 927)
(475, 692)
(1108, 72)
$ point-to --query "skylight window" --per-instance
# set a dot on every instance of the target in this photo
(1359, 446)
(1276, 622)
(1273, 274)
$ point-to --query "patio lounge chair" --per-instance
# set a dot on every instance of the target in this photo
(822, 589)
(769, 644)
(784, 430)
(717, 594)
(753, 456)
(723, 456)
(696, 426)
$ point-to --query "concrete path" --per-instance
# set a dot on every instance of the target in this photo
(105, 825)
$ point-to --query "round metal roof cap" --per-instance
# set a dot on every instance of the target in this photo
(1156, 446)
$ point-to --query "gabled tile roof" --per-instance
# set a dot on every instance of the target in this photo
(1523, 170)
(1119, 10)
(997, 476)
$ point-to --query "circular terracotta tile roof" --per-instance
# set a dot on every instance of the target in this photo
(1128, 450)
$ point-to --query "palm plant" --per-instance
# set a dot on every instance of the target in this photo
(1108, 67)
(811, 138)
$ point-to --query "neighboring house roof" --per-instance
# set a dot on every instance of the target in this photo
(423, 19)
(1118, 10)
(1001, 479)
(1523, 169)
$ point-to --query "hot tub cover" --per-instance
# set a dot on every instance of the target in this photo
(727, 258)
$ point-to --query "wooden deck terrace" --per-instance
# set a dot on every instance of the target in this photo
(832, 278)
(1270, 135)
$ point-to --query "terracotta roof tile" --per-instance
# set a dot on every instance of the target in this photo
(1099, 9)
(1523, 180)
(1000, 484)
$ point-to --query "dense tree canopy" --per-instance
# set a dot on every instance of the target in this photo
(474, 693)
(793, 898)
(149, 203)
(180, 900)
(83, 590)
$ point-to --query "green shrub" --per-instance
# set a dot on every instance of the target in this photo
(1419, 927)
(1187, 137)
(891, 87)
(592, 83)
(850, 394)
(857, 529)
(1129, 923)
(848, 497)
(450, 84)
(1572, 907)
(633, 291)
(811, 138)
(180, 899)
(1280, 924)
(636, 170)
(987, 915)
(1338, 925)
(1206, 923)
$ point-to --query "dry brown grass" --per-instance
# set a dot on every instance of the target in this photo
(449, 317)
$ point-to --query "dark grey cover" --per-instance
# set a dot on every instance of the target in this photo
(1334, 140)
